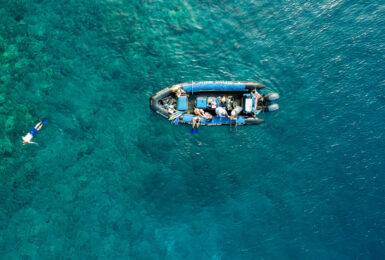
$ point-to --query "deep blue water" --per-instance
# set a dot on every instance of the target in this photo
(112, 180)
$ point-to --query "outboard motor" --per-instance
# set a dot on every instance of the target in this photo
(272, 96)
(272, 107)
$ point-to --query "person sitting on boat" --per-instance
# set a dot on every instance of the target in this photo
(208, 116)
(196, 121)
(178, 90)
(235, 112)
(28, 137)
(202, 113)
(257, 97)
(211, 103)
(221, 112)
(170, 108)
(222, 101)
(199, 112)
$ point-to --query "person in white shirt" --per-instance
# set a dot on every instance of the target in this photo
(235, 112)
(221, 112)
(28, 137)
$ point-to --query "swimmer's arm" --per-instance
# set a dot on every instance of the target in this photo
(33, 143)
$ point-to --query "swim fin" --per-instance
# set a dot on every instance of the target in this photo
(192, 131)
(45, 121)
(176, 121)
(196, 130)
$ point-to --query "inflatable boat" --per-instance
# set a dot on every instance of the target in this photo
(179, 101)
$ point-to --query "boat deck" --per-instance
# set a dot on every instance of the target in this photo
(237, 96)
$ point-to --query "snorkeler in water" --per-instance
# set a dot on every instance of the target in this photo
(28, 137)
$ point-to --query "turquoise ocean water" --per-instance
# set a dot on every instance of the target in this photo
(112, 180)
